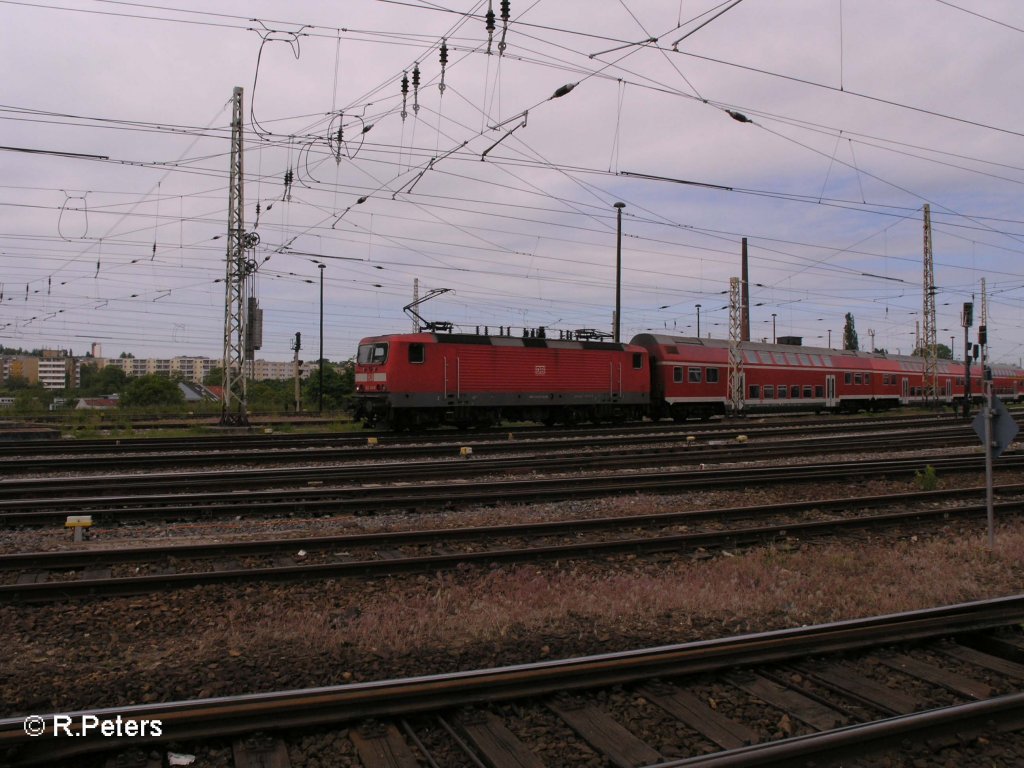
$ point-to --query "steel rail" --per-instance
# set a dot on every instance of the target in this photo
(332, 705)
(79, 558)
(360, 450)
(131, 585)
(20, 493)
(374, 498)
(1005, 712)
(263, 441)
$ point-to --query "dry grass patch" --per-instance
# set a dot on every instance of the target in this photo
(761, 589)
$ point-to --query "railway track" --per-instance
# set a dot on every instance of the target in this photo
(78, 456)
(552, 459)
(91, 573)
(448, 491)
(914, 683)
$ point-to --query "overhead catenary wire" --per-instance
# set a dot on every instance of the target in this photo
(503, 161)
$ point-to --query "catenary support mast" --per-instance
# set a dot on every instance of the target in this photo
(234, 407)
(735, 353)
(929, 345)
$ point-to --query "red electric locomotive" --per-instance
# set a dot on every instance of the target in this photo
(690, 378)
(426, 379)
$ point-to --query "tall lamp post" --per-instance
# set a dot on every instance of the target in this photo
(698, 321)
(320, 405)
(618, 271)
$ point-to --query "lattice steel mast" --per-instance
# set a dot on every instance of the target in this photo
(930, 348)
(234, 407)
(735, 354)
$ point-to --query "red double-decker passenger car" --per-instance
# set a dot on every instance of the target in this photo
(690, 377)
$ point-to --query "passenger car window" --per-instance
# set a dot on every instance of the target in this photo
(677, 374)
(694, 375)
(711, 375)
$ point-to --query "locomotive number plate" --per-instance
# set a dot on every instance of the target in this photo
(540, 370)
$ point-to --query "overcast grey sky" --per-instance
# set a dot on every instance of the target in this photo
(860, 113)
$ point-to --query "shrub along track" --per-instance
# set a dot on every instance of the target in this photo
(945, 680)
(90, 573)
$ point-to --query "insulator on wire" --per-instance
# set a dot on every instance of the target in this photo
(405, 93)
(444, 63)
(416, 88)
(490, 26)
(504, 25)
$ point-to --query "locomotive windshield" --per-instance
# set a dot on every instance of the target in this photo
(372, 354)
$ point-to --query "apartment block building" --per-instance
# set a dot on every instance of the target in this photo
(54, 369)
(198, 368)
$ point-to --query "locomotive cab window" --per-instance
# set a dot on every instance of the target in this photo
(417, 353)
(694, 375)
(638, 360)
(372, 354)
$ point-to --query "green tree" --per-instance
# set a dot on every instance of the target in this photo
(17, 382)
(850, 341)
(941, 351)
(267, 396)
(152, 391)
(215, 378)
(32, 400)
(339, 384)
(102, 381)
